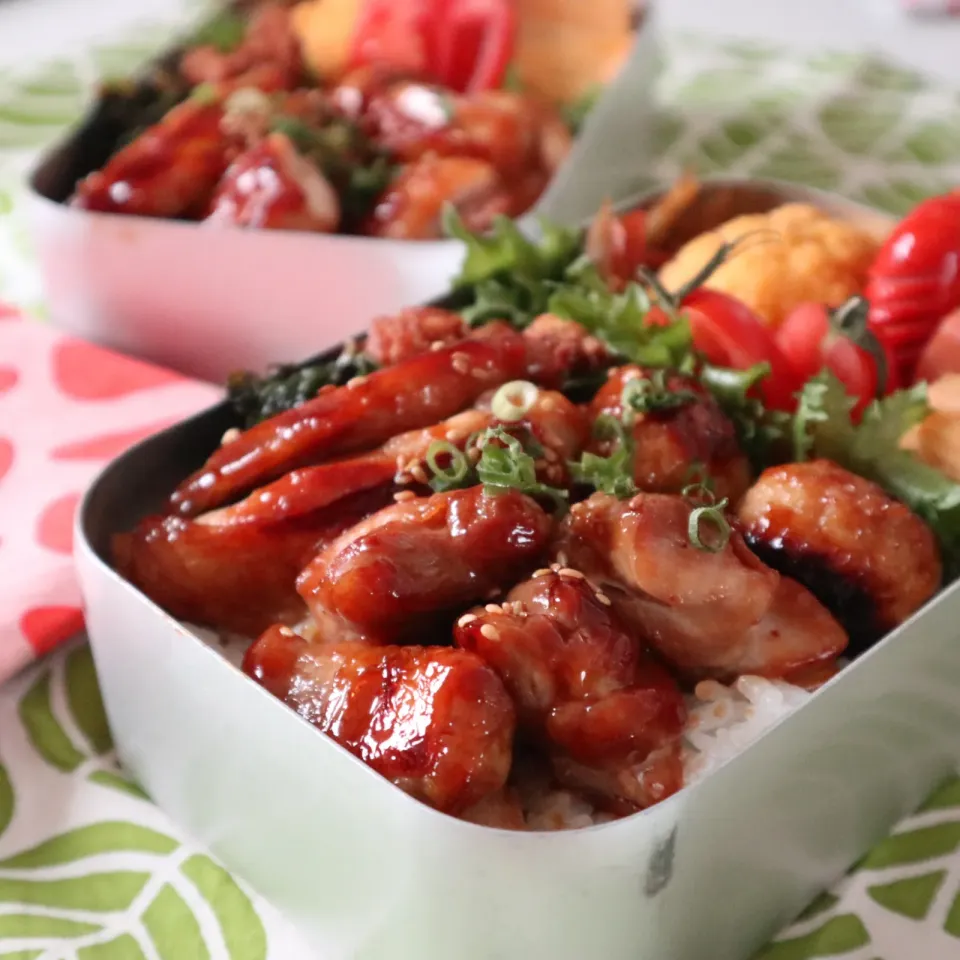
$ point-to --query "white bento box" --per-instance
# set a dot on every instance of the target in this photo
(370, 874)
(206, 302)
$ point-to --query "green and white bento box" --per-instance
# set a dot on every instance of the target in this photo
(370, 874)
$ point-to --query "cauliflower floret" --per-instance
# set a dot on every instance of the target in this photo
(798, 254)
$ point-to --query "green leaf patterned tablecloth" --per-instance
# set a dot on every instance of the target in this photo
(90, 869)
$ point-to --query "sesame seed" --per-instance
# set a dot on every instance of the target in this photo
(460, 362)
(495, 592)
(232, 434)
(490, 632)
(437, 345)
(571, 574)
(466, 618)
(708, 690)
(493, 608)
(479, 373)
(562, 558)
(403, 495)
(402, 479)
(541, 573)
(419, 473)
(556, 567)
(592, 347)
(356, 381)
(287, 632)
(604, 599)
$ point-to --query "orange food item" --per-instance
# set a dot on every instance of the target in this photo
(325, 29)
(936, 441)
(941, 355)
(567, 47)
(791, 255)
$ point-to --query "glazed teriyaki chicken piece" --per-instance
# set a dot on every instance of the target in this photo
(717, 612)
(435, 721)
(867, 557)
(366, 412)
(238, 574)
(389, 577)
(609, 716)
(404, 335)
(271, 186)
(676, 423)
(268, 57)
(170, 170)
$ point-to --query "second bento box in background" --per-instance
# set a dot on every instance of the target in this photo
(260, 192)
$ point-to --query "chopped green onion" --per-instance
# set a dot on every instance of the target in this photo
(454, 473)
(700, 486)
(612, 474)
(205, 94)
(712, 515)
(652, 394)
(512, 402)
(505, 465)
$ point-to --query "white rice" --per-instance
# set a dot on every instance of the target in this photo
(724, 720)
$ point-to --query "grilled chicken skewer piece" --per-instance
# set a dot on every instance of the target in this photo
(170, 170)
(609, 716)
(868, 558)
(435, 721)
(389, 577)
(236, 577)
(364, 413)
(710, 613)
(684, 426)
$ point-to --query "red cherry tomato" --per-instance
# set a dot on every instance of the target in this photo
(617, 244)
(914, 281)
(810, 342)
(394, 33)
(942, 353)
(465, 45)
(474, 43)
(730, 334)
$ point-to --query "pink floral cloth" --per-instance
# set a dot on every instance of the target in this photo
(66, 409)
